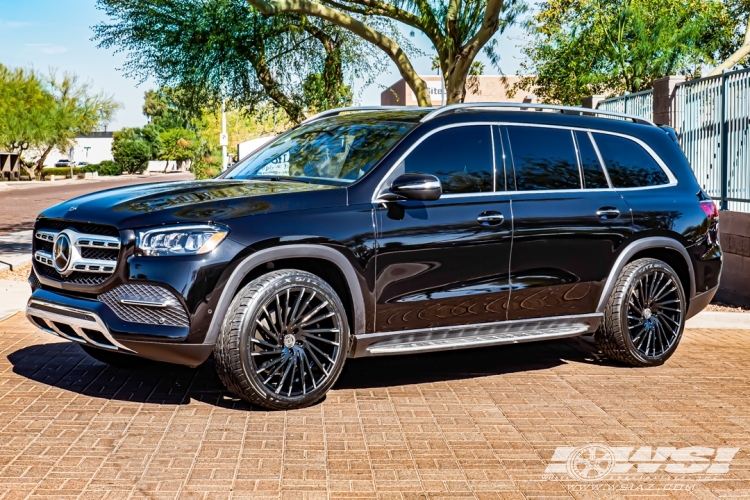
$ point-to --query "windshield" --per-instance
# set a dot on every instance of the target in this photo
(337, 150)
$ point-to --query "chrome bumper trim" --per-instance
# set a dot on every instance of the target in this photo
(76, 323)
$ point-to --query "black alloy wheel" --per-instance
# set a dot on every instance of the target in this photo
(294, 341)
(654, 313)
(284, 340)
(645, 316)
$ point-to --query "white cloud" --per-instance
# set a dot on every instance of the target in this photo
(46, 48)
(12, 25)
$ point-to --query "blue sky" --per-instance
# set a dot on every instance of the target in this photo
(56, 34)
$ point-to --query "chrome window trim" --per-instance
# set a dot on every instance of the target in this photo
(379, 188)
(672, 179)
(601, 160)
(578, 159)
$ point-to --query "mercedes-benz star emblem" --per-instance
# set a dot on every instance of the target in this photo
(61, 252)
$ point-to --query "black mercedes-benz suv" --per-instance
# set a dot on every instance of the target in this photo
(377, 231)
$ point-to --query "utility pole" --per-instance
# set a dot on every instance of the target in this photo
(224, 139)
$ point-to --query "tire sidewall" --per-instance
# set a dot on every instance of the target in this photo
(293, 279)
(632, 281)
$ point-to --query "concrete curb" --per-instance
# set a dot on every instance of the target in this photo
(720, 320)
(15, 250)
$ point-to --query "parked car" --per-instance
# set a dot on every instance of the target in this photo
(83, 164)
(63, 162)
(377, 231)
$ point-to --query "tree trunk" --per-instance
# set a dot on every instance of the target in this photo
(738, 55)
(386, 44)
(40, 162)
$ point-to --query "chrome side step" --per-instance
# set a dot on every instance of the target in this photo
(54, 317)
(485, 334)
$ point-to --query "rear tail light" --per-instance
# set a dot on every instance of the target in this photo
(710, 209)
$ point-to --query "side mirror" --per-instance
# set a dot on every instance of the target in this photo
(423, 187)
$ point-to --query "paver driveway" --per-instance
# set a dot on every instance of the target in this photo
(481, 423)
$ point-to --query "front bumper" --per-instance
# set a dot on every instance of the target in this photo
(94, 323)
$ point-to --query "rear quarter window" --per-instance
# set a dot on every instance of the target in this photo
(628, 164)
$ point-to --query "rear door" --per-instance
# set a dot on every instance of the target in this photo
(568, 222)
(445, 262)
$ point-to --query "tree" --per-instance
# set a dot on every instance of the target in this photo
(133, 148)
(586, 47)
(215, 48)
(26, 122)
(740, 49)
(458, 30)
(75, 111)
(179, 145)
(47, 113)
(168, 108)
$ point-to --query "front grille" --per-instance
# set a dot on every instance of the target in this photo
(95, 263)
(163, 307)
(81, 227)
(99, 254)
(76, 278)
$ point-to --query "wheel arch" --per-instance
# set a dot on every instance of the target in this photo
(307, 257)
(666, 249)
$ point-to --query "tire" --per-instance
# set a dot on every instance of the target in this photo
(117, 359)
(645, 315)
(264, 357)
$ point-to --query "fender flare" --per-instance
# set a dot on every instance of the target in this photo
(632, 249)
(288, 252)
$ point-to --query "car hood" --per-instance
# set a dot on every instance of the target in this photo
(194, 201)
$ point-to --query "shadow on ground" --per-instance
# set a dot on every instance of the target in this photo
(66, 366)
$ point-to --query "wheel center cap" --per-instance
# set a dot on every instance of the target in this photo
(647, 313)
(289, 340)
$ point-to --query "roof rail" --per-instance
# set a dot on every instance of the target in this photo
(562, 109)
(338, 111)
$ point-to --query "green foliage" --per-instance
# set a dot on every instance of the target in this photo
(108, 167)
(587, 47)
(169, 108)
(208, 48)
(26, 121)
(47, 113)
(180, 145)
(133, 148)
(61, 171)
(205, 168)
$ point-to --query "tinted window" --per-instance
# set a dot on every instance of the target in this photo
(593, 175)
(544, 158)
(461, 157)
(628, 164)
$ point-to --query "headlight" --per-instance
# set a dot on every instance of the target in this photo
(179, 240)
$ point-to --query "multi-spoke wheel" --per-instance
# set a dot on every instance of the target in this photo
(283, 341)
(645, 316)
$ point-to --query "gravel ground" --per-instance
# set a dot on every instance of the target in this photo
(721, 307)
(19, 275)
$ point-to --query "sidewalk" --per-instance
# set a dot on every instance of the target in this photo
(15, 250)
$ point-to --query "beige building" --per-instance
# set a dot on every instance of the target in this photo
(491, 88)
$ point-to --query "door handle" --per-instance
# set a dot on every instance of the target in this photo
(608, 213)
(491, 218)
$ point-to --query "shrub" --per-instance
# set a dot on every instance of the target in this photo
(61, 171)
(91, 168)
(205, 168)
(108, 167)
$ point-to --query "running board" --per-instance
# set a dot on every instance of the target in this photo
(486, 334)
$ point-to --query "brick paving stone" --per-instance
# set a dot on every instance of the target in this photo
(481, 423)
